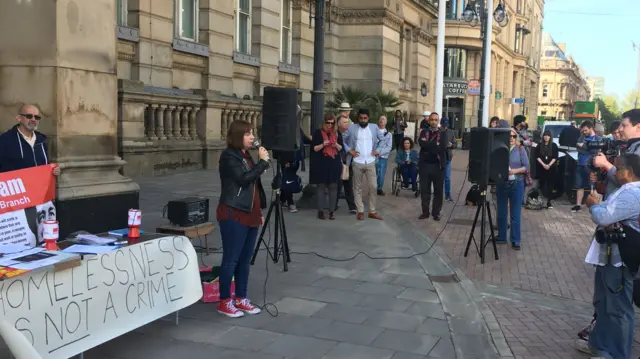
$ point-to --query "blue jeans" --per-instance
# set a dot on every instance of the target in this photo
(237, 247)
(447, 180)
(409, 174)
(510, 200)
(381, 170)
(612, 336)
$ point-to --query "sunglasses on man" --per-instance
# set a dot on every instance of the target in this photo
(29, 116)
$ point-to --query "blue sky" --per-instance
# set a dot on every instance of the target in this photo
(599, 36)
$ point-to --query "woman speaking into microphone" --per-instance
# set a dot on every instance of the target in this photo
(239, 214)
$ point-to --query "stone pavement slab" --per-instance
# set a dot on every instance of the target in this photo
(360, 308)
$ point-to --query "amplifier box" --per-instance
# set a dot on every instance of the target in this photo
(187, 212)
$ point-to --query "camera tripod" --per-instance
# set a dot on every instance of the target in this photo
(280, 241)
(484, 211)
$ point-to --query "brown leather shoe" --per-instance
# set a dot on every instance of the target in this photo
(360, 216)
(321, 215)
(424, 216)
(332, 216)
(374, 215)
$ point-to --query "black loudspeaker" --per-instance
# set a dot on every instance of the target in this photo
(488, 155)
(280, 123)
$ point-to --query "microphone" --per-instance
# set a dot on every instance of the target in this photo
(256, 144)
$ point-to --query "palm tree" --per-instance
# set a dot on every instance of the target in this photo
(383, 103)
(354, 96)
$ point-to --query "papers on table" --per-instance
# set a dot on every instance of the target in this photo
(87, 249)
(33, 258)
(13, 248)
(93, 239)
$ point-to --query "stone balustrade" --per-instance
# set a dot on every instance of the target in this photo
(170, 122)
(171, 130)
(230, 113)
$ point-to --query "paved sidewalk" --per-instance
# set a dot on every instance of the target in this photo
(541, 295)
(364, 308)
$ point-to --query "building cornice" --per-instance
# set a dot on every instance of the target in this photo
(422, 36)
(368, 17)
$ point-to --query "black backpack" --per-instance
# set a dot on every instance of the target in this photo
(473, 196)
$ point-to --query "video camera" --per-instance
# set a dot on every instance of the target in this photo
(611, 234)
(609, 147)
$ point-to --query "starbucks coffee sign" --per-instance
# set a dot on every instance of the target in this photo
(455, 87)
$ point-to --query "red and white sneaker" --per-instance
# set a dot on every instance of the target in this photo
(245, 305)
(226, 307)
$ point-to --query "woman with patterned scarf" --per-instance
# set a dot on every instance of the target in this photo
(327, 166)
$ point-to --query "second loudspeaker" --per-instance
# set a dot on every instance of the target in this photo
(489, 155)
(280, 122)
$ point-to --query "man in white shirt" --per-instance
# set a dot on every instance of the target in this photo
(362, 144)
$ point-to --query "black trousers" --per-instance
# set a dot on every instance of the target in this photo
(347, 187)
(398, 137)
(547, 180)
(431, 175)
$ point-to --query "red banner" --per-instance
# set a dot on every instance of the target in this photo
(26, 188)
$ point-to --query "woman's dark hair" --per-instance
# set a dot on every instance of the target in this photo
(630, 162)
(328, 117)
(614, 126)
(407, 139)
(235, 135)
(546, 149)
(546, 133)
(494, 119)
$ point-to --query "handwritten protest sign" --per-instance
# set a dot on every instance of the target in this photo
(25, 202)
(68, 312)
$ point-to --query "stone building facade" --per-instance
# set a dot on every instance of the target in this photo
(562, 82)
(187, 68)
(515, 64)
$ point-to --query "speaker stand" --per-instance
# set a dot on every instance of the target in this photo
(483, 212)
(280, 240)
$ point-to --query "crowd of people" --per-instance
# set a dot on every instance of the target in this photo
(353, 159)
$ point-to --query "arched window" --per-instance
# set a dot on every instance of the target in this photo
(455, 63)
(545, 91)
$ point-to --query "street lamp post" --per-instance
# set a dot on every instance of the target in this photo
(317, 94)
(439, 90)
(478, 11)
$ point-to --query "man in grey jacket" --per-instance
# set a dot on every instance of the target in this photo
(384, 148)
(362, 141)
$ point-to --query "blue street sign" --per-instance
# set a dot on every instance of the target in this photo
(519, 101)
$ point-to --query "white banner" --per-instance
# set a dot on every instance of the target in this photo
(67, 312)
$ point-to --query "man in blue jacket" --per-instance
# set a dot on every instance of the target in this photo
(22, 146)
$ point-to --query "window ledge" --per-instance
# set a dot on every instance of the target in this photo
(246, 59)
(404, 86)
(127, 33)
(288, 68)
(191, 47)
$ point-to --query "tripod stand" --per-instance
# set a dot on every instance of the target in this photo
(280, 241)
(484, 210)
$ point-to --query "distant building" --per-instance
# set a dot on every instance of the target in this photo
(596, 86)
(562, 81)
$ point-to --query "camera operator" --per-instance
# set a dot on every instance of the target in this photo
(603, 185)
(582, 177)
(629, 131)
(614, 252)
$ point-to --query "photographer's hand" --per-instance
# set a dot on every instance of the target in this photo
(600, 161)
(593, 199)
